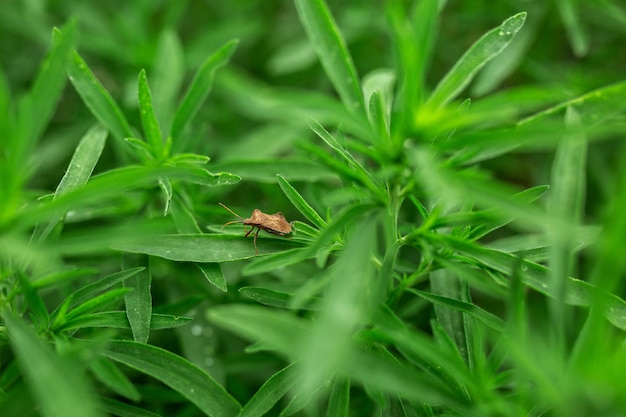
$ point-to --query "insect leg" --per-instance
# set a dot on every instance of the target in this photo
(250, 231)
(256, 250)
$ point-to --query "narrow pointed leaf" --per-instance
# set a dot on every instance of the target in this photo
(300, 203)
(199, 88)
(213, 273)
(151, 128)
(47, 88)
(177, 373)
(271, 392)
(139, 301)
(332, 51)
(81, 166)
(485, 49)
(51, 378)
(97, 98)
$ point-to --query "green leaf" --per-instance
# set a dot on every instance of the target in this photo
(332, 51)
(121, 409)
(141, 150)
(339, 401)
(346, 304)
(578, 293)
(213, 273)
(97, 98)
(46, 90)
(119, 320)
(593, 108)
(278, 329)
(361, 173)
(264, 102)
(275, 388)
(51, 378)
(197, 175)
(151, 128)
(482, 315)
(199, 88)
(266, 296)
(336, 226)
(111, 376)
(461, 188)
(414, 34)
(139, 299)
(91, 290)
(298, 202)
(97, 302)
(177, 373)
(571, 15)
(481, 52)
(84, 160)
(168, 72)
(203, 247)
(566, 201)
(274, 261)
(61, 276)
(166, 188)
(183, 217)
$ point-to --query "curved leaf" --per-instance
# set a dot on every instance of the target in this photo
(177, 373)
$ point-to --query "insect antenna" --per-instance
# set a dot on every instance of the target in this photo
(232, 212)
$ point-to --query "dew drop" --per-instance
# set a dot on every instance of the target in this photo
(196, 330)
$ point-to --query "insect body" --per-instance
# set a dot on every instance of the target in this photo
(275, 224)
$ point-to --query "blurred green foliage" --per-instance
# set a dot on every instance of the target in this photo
(454, 171)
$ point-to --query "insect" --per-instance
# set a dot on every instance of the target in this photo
(275, 224)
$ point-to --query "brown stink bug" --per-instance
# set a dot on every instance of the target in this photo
(275, 224)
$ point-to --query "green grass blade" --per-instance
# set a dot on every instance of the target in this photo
(571, 17)
(300, 203)
(177, 373)
(139, 300)
(97, 302)
(52, 378)
(446, 284)
(274, 261)
(346, 304)
(168, 72)
(593, 108)
(578, 293)
(481, 52)
(89, 291)
(110, 375)
(84, 160)
(278, 329)
(461, 189)
(213, 273)
(275, 388)
(199, 88)
(97, 98)
(266, 296)
(46, 90)
(339, 401)
(119, 320)
(361, 173)
(118, 408)
(489, 319)
(415, 34)
(332, 51)
(566, 201)
(151, 128)
(203, 247)
(201, 176)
